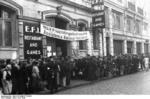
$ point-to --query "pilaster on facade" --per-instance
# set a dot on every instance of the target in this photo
(142, 48)
(110, 18)
(100, 44)
(111, 45)
(134, 47)
(21, 42)
(91, 37)
(89, 43)
(44, 41)
(104, 43)
(125, 47)
(148, 47)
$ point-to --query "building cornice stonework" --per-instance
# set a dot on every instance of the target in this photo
(13, 5)
(75, 5)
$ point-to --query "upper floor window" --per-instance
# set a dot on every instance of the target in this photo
(130, 24)
(119, 1)
(145, 26)
(131, 6)
(140, 11)
(137, 27)
(82, 44)
(117, 23)
(6, 24)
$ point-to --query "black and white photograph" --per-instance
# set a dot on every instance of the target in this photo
(74, 47)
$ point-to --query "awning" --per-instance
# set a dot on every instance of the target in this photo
(69, 35)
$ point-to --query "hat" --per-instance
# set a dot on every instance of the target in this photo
(8, 66)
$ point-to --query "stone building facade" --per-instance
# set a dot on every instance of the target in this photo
(70, 15)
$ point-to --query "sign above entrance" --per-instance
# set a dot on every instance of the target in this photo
(64, 34)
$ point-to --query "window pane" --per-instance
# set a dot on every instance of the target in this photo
(83, 45)
(7, 14)
(1, 33)
(8, 34)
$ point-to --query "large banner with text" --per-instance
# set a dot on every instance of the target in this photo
(69, 35)
(32, 41)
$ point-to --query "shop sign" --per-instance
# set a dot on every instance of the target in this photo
(32, 41)
(64, 34)
(98, 16)
(99, 19)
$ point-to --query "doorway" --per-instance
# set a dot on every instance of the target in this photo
(59, 47)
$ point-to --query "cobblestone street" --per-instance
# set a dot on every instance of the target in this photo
(134, 84)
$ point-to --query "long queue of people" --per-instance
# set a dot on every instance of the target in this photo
(32, 76)
(93, 68)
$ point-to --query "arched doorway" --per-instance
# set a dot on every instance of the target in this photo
(58, 47)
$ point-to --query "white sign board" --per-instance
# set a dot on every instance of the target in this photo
(64, 34)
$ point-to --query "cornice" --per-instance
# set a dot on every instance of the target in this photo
(13, 5)
(75, 5)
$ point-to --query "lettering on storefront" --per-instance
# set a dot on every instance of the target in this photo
(64, 34)
(98, 14)
(32, 41)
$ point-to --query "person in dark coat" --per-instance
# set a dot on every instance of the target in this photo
(69, 68)
(23, 79)
(52, 75)
(29, 75)
(15, 77)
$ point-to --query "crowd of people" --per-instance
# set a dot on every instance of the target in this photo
(31, 76)
(92, 68)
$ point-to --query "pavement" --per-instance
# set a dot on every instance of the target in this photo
(74, 84)
(77, 84)
(133, 84)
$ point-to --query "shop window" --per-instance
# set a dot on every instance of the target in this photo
(146, 48)
(129, 47)
(82, 44)
(6, 26)
(118, 47)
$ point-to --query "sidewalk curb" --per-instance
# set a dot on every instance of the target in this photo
(94, 81)
(75, 86)
(85, 84)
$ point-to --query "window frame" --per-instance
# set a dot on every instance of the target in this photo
(83, 41)
(4, 19)
(116, 17)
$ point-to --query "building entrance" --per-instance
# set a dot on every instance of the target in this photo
(58, 47)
